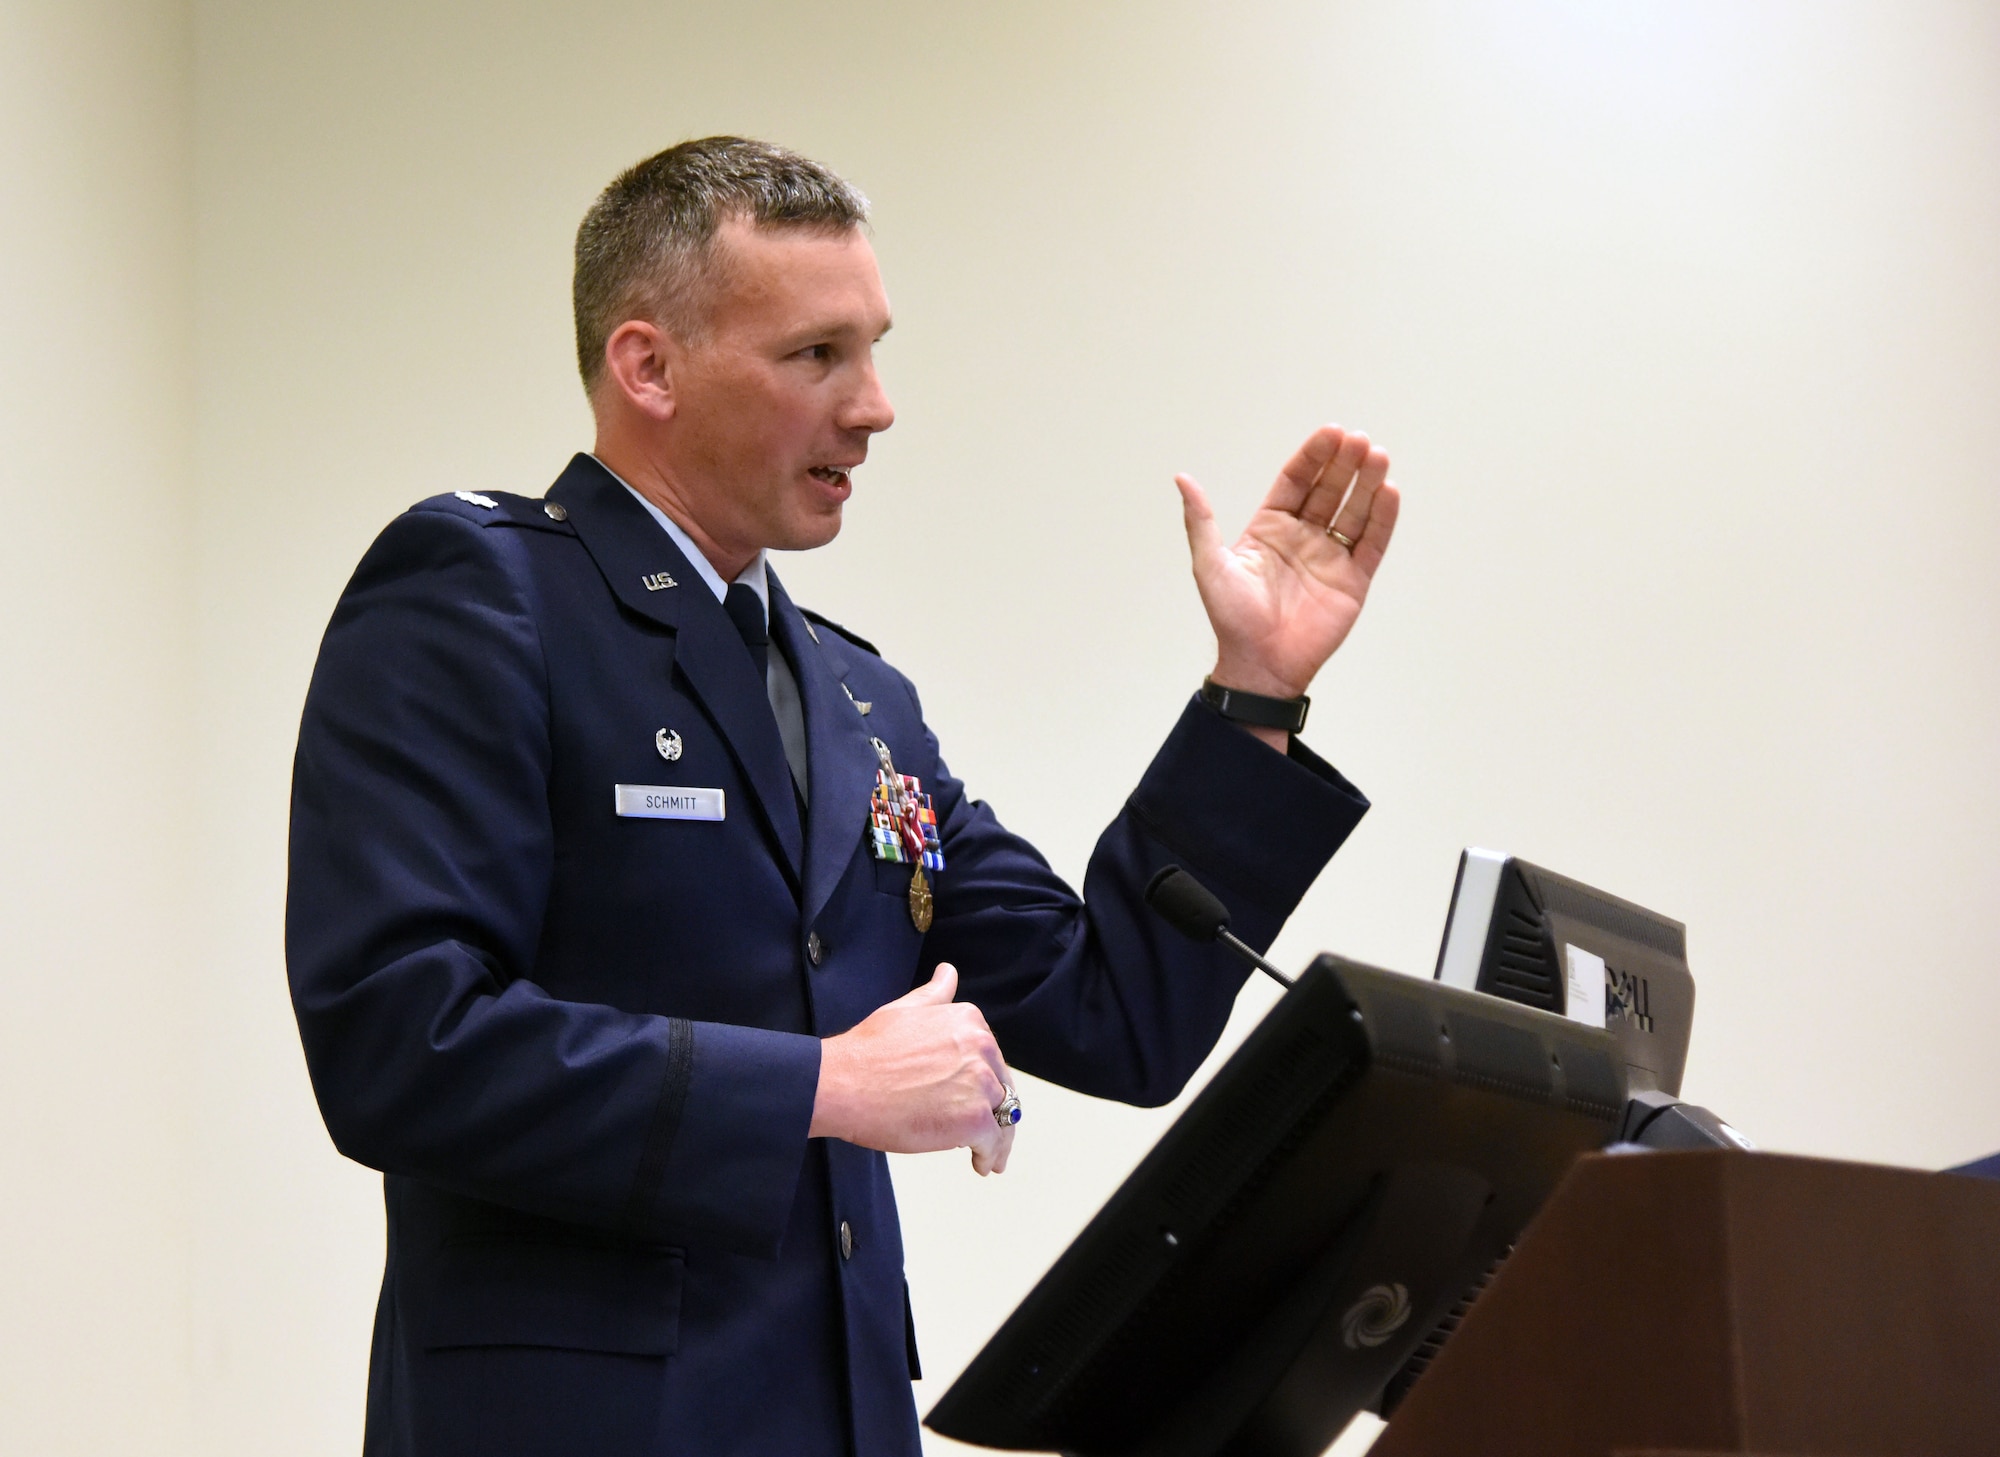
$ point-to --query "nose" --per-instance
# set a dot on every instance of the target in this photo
(869, 408)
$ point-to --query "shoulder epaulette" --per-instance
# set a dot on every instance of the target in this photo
(502, 508)
(854, 637)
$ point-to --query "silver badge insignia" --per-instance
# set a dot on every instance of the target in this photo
(484, 503)
(668, 742)
(658, 582)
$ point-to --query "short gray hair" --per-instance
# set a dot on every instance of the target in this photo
(646, 247)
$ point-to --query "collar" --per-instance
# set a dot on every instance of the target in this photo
(753, 576)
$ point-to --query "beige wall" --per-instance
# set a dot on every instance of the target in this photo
(96, 271)
(1682, 323)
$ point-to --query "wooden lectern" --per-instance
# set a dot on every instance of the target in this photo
(1685, 1304)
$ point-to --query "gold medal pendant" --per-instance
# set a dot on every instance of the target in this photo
(920, 901)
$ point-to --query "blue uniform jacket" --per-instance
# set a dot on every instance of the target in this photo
(583, 1048)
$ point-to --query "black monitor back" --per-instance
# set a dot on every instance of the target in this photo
(1371, 1149)
(1527, 934)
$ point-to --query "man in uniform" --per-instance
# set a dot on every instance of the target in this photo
(634, 915)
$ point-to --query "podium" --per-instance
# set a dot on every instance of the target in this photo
(1687, 1304)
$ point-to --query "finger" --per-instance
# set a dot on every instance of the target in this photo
(1374, 542)
(973, 1035)
(1002, 1150)
(1332, 486)
(1204, 536)
(1352, 520)
(1302, 473)
(940, 989)
(985, 1145)
(992, 1146)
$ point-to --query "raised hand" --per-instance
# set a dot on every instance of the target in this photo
(920, 1074)
(1287, 593)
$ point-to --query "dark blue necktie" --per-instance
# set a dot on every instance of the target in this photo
(747, 612)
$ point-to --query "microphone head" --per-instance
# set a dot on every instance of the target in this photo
(1187, 905)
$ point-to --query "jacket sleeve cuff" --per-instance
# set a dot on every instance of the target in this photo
(1259, 823)
(722, 1161)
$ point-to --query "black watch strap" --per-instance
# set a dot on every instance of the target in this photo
(1237, 706)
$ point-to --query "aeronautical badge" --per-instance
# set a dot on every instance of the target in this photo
(902, 828)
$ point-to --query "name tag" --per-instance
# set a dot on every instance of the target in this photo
(668, 802)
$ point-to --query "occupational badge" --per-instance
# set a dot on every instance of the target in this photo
(668, 742)
(902, 828)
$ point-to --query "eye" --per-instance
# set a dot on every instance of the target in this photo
(818, 353)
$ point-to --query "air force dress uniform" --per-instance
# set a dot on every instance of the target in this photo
(581, 1041)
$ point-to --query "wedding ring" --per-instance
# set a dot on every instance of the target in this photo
(1340, 536)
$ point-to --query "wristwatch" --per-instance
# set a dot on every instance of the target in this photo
(1237, 706)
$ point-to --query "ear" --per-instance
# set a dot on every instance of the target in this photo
(639, 366)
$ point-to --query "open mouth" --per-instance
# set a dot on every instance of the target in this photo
(832, 475)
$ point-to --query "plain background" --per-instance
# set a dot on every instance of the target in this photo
(1681, 322)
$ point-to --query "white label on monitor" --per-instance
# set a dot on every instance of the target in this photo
(1585, 1002)
(1471, 915)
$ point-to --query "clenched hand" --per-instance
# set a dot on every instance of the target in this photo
(918, 1075)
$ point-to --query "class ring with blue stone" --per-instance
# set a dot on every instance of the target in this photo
(1009, 1111)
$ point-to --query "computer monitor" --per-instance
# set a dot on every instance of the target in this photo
(1532, 936)
(1360, 1161)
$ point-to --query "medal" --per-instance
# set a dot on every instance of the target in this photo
(902, 829)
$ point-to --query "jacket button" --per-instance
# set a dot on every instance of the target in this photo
(815, 949)
(846, 1240)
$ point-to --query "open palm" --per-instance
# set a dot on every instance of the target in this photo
(1287, 593)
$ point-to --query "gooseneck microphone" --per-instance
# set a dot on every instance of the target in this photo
(1192, 909)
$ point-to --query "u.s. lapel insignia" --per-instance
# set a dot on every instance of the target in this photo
(658, 582)
(668, 742)
(902, 829)
(861, 705)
